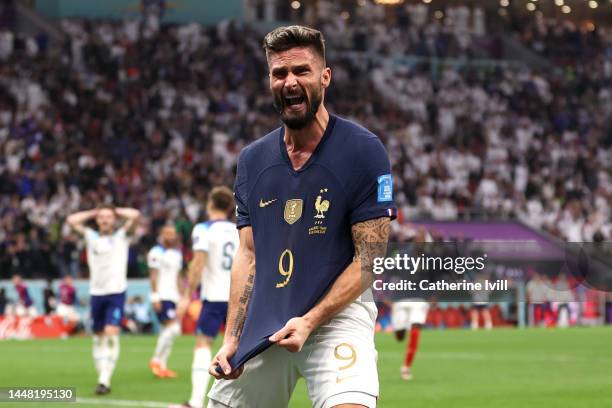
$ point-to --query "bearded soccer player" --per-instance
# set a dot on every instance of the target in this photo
(107, 257)
(314, 203)
(165, 262)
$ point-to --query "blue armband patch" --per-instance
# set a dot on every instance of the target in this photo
(385, 188)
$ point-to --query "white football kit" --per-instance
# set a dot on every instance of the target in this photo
(107, 257)
(169, 263)
(219, 239)
(406, 312)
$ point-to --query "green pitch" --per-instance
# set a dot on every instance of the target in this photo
(537, 368)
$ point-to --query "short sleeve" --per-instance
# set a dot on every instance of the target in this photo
(243, 218)
(123, 235)
(90, 236)
(154, 258)
(199, 238)
(371, 194)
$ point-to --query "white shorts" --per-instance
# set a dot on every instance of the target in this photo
(67, 312)
(338, 362)
(407, 312)
(22, 311)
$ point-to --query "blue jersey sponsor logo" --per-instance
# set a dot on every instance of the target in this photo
(385, 188)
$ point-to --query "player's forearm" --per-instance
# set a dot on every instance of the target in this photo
(349, 286)
(132, 216)
(80, 217)
(370, 241)
(128, 213)
(194, 277)
(153, 280)
(241, 287)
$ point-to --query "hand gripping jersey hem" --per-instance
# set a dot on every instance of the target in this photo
(263, 346)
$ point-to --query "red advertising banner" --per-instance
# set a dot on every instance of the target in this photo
(21, 328)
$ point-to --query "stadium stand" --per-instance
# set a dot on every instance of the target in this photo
(151, 116)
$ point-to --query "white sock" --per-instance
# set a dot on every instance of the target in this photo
(164, 343)
(161, 344)
(100, 353)
(112, 344)
(199, 376)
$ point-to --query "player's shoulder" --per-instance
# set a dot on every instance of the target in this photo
(222, 225)
(157, 249)
(355, 138)
(266, 146)
(91, 233)
(201, 227)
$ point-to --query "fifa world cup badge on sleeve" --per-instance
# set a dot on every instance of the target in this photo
(385, 188)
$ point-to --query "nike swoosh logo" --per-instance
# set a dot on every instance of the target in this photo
(263, 203)
(340, 379)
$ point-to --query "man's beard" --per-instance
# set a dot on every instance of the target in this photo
(298, 122)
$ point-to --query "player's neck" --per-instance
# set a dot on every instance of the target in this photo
(217, 216)
(306, 140)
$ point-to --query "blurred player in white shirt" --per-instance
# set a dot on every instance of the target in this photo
(107, 257)
(410, 314)
(165, 262)
(214, 244)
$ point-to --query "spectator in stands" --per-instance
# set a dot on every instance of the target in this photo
(154, 116)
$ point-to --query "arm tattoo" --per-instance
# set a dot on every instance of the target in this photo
(243, 303)
(370, 240)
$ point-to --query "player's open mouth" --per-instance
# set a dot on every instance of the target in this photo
(294, 102)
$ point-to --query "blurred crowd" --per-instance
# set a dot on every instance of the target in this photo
(412, 29)
(151, 116)
(563, 41)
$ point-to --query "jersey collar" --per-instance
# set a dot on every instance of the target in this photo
(326, 135)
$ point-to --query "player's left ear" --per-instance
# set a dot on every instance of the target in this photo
(325, 77)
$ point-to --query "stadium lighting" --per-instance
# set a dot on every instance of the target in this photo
(593, 4)
(504, 3)
(426, 1)
(559, 2)
(388, 2)
(530, 6)
(566, 9)
(295, 5)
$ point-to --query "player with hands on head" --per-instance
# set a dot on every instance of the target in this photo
(107, 258)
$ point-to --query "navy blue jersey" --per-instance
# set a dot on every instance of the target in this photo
(302, 220)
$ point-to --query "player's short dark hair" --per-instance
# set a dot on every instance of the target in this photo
(286, 38)
(221, 199)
